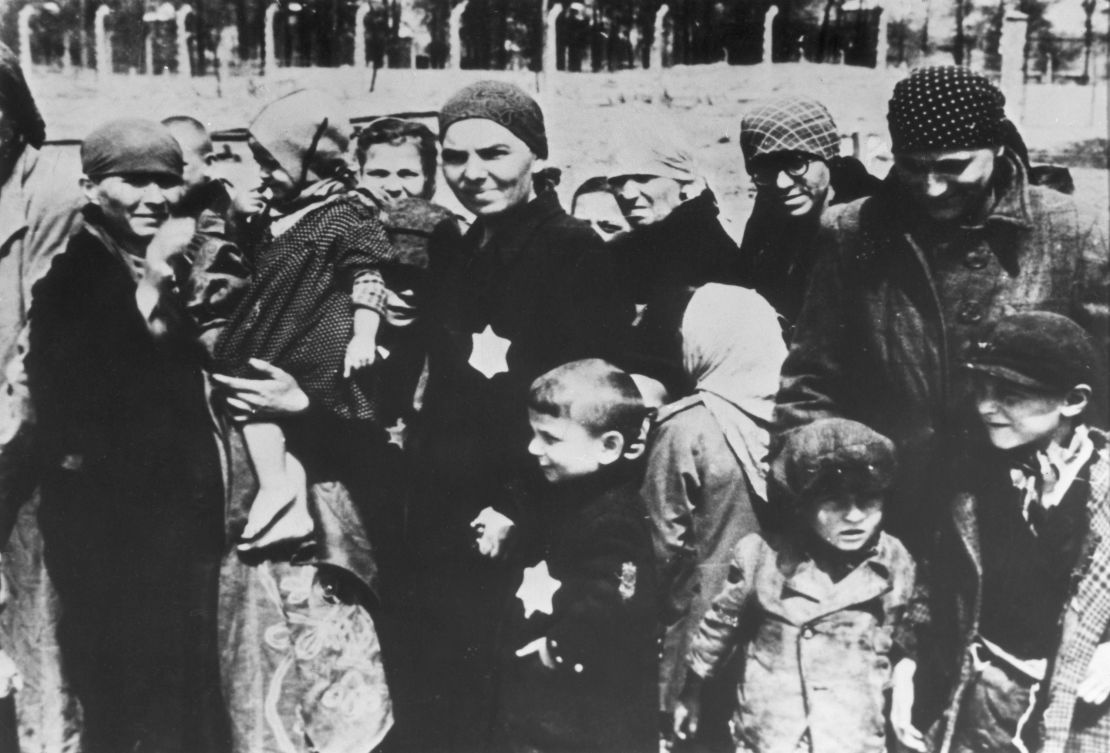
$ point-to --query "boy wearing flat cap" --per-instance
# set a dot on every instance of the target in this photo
(1015, 612)
(813, 610)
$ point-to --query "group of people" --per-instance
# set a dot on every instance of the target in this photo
(319, 465)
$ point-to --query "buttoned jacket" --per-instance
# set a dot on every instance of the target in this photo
(816, 652)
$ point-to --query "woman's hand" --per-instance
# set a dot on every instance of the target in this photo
(1095, 687)
(273, 393)
(901, 706)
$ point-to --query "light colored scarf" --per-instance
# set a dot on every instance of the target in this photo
(732, 348)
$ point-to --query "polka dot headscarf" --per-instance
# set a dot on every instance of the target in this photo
(945, 107)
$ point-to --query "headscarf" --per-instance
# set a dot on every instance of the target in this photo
(16, 101)
(732, 350)
(655, 149)
(945, 108)
(131, 146)
(789, 124)
(307, 132)
(503, 103)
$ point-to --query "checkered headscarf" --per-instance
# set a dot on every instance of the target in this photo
(790, 124)
(945, 107)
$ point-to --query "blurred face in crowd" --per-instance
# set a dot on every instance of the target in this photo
(793, 183)
(196, 149)
(601, 210)
(646, 199)
(277, 184)
(488, 168)
(10, 144)
(134, 205)
(1015, 416)
(847, 520)
(567, 450)
(947, 185)
(393, 172)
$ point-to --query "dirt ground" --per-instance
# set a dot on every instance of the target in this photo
(589, 114)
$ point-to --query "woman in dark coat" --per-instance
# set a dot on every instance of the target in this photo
(535, 282)
(791, 149)
(132, 504)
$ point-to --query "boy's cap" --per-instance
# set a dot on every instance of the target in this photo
(1036, 349)
(833, 452)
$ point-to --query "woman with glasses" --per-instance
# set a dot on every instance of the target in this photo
(791, 148)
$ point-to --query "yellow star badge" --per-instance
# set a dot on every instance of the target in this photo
(488, 352)
(398, 433)
(536, 590)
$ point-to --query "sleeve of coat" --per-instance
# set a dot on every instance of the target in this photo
(671, 490)
(1093, 295)
(601, 601)
(815, 372)
(720, 627)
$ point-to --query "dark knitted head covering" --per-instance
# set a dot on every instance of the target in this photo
(832, 455)
(16, 101)
(507, 105)
(790, 124)
(945, 107)
(131, 146)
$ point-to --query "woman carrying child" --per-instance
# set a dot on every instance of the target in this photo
(300, 655)
(813, 611)
(316, 296)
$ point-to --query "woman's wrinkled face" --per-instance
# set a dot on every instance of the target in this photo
(947, 185)
(277, 184)
(393, 172)
(488, 168)
(646, 199)
(134, 205)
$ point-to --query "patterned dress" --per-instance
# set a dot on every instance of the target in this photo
(297, 313)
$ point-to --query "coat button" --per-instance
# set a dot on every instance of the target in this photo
(808, 633)
(969, 313)
(977, 258)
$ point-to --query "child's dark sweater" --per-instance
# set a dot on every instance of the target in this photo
(599, 623)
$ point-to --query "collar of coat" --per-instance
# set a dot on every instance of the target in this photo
(1097, 541)
(516, 227)
(869, 580)
(1010, 207)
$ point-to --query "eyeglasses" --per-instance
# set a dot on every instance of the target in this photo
(794, 165)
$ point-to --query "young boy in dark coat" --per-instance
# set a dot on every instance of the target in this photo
(579, 649)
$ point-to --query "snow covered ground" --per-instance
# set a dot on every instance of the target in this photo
(589, 114)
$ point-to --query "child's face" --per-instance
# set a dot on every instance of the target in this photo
(565, 449)
(849, 520)
(1016, 416)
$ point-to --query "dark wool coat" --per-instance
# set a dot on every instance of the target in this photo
(889, 312)
(945, 619)
(594, 541)
(543, 282)
(131, 507)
